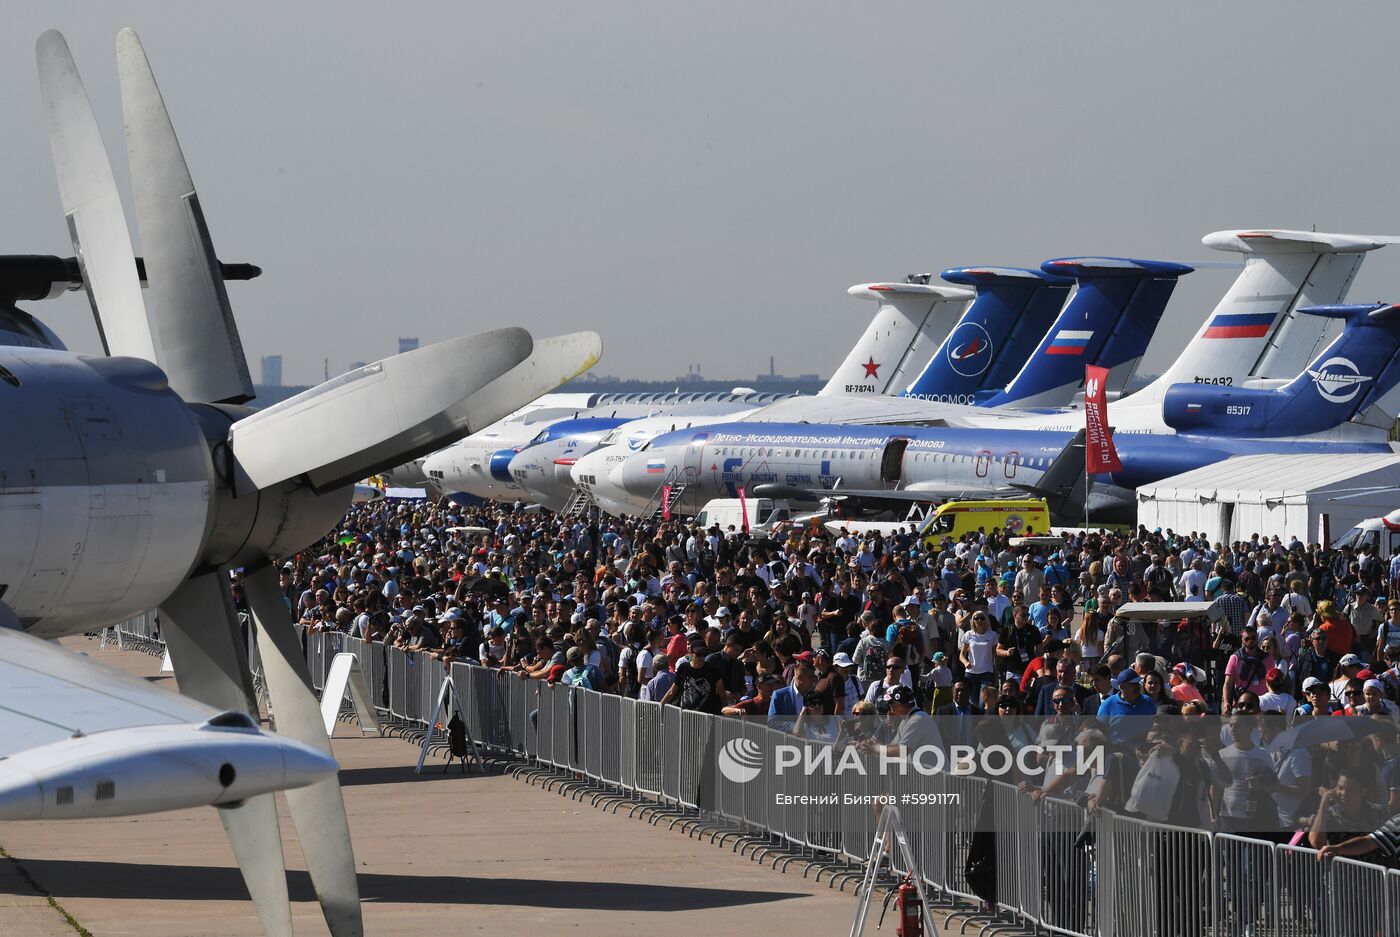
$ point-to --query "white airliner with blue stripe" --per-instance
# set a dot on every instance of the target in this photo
(1321, 410)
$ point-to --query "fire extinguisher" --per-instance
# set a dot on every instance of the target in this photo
(911, 910)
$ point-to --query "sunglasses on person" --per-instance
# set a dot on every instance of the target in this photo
(894, 666)
(1057, 700)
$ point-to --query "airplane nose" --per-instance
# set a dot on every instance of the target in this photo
(628, 476)
(518, 466)
(500, 465)
(303, 765)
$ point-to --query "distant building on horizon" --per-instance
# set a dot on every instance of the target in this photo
(407, 344)
(272, 370)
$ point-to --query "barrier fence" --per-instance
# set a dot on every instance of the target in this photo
(1057, 868)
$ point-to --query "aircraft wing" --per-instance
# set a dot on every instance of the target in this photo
(80, 739)
(875, 498)
(927, 494)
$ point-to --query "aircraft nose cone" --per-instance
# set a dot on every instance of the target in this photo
(303, 765)
(520, 465)
(631, 476)
(585, 468)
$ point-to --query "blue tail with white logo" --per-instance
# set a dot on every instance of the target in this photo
(1349, 376)
(996, 333)
(1109, 322)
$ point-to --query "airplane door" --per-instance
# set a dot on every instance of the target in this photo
(695, 456)
(984, 462)
(892, 461)
(1010, 462)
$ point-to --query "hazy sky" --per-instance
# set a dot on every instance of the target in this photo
(701, 182)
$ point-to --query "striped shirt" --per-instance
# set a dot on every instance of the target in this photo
(1387, 839)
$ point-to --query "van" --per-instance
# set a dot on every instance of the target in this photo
(726, 512)
(955, 518)
(1381, 534)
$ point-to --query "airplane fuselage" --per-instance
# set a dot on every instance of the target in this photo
(716, 462)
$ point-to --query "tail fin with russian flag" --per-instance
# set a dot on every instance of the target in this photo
(1355, 371)
(1108, 322)
(1255, 331)
(911, 322)
(997, 331)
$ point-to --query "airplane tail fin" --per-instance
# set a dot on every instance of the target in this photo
(1255, 331)
(1351, 374)
(991, 339)
(1109, 321)
(910, 323)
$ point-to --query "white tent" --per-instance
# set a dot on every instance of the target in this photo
(1272, 494)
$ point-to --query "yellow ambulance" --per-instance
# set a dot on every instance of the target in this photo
(1019, 518)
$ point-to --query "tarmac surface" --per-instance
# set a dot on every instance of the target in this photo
(438, 853)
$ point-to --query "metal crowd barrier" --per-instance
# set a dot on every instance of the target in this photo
(141, 633)
(1058, 869)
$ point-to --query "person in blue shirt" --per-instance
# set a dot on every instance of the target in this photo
(1040, 611)
(786, 702)
(1128, 701)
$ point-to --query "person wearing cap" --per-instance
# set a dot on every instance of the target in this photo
(580, 673)
(1341, 636)
(765, 684)
(1127, 701)
(1348, 668)
(1317, 699)
(698, 687)
(660, 680)
(913, 728)
(830, 685)
(846, 667)
(1390, 677)
(905, 635)
(1277, 698)
(1311, 661)
(937, 681)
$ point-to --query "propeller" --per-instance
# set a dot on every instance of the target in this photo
(279, 478)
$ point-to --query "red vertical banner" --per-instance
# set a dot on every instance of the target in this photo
(665, 502)
(1099, 454)
(743, 508)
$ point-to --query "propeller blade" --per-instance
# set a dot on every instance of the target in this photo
(91, 205)
(256, 837)
(555, 361)
(200, 626)
(207, 649)
(187, 304)
(319, 810)
(377, 416)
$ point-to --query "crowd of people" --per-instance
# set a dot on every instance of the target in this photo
(803, 623)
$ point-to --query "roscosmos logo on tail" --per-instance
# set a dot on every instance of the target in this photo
(969, 349)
